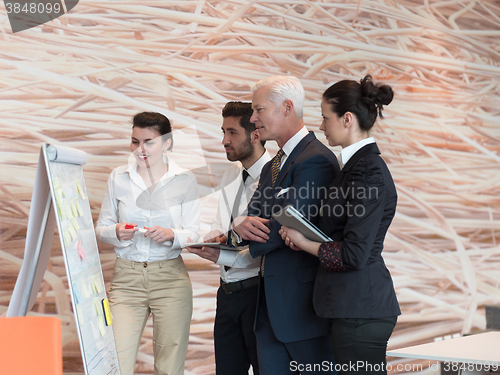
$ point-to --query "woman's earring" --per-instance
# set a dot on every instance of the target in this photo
(165, 156)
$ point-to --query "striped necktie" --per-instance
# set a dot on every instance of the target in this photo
(275, 170)
(276, 165)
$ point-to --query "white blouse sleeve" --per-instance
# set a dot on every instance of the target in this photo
(108, 217)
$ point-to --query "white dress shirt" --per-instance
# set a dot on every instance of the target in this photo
(174, 204)
(243, 265)
(349, 151)
(289, 146)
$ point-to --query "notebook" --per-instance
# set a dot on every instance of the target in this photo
(292, 218)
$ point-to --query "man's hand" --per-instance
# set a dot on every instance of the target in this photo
(252, 228)
(206, 252)
(215, 236)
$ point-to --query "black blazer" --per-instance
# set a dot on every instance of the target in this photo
(289, 275)
(358, 212)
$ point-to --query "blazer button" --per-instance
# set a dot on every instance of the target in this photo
(145, 265)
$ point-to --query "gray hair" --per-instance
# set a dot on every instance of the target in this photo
(284, 88)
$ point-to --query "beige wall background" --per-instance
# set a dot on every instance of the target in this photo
(78, 80)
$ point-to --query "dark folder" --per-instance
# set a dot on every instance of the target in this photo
(292, 218)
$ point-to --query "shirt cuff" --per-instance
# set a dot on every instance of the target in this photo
(107, 234)
(227, 258)
(330, 257)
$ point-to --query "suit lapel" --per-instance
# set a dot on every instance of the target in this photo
(293, 156)
(265, 183)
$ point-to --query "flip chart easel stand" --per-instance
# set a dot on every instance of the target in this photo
(60, 198)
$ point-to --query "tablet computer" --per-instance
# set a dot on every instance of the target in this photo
(221, 246)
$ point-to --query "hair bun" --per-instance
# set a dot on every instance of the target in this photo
(376, 95)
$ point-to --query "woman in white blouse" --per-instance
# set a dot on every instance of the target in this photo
(150, 209)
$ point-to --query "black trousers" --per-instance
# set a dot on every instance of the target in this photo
(235, 343)
(360, 344)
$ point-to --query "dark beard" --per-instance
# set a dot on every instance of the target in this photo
(244, 153)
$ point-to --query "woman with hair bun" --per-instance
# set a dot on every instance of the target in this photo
(149, 211)
(353, 286)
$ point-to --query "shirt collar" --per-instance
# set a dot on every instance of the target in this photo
(294, 141)
(254, 170)
(350, 150)
(174, 169)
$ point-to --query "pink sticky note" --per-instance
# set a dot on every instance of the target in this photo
(80, 250)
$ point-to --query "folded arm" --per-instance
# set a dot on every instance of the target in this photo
(304, 193)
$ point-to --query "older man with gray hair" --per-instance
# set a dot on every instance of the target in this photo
(291, 338)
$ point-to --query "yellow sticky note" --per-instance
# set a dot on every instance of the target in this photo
(58, 193)
(79, 313)
(66, 237)
(72, 232)
(98, 284)
(107, 312)
(74, 210)
(100, 325)
(84, 289)
(62, 212)
(96, 307)
(80, 189)
(56, 182)
(60, 204)
(67, 209)
(75, 224)
(93, 284)
(78, 208)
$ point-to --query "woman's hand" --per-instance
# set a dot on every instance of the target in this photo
(292, 238)
(297, 241)
(126, 231)
(160, 234)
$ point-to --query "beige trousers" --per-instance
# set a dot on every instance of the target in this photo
(163, 289)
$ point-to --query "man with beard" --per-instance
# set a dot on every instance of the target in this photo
(235, 344)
